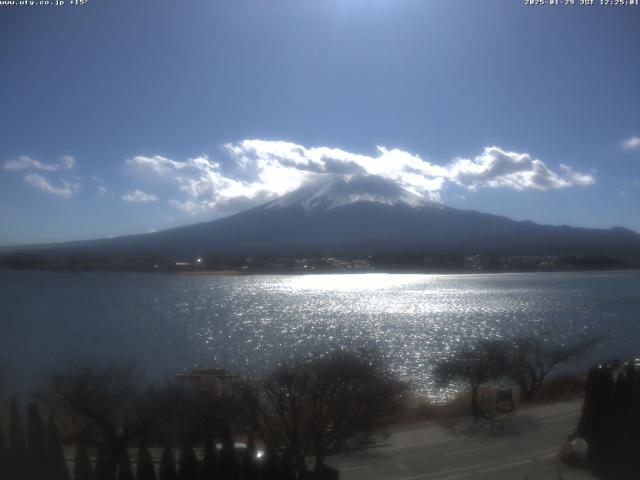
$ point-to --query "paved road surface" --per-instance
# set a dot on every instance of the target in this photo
(517, 446)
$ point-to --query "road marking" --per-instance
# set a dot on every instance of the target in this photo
(556, 418)
(403, 446)
(471, 450)
(456, 477)
(355, 467)
(505, 466)
(465, 471)
(412, 444)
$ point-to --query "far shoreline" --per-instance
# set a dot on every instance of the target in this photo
(239, 273)
(235, 273)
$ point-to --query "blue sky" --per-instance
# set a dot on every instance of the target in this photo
(121, 117)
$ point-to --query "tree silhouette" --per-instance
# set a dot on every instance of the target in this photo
(474, 364)
(4, 456)
(17, 446)
(270, 467)
(145, 469)
(104, 470)
(210, 460)
(250, 469)
(82, 466)
(314, 408)
(125, 472)
(229, 469)
(287, 469)
(530, 359)
(108, 399)
(57, 467)
(168, 465)
(610, 420)
(188, 464)
(37, 444)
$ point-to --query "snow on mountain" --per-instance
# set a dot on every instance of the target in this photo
(332, 191)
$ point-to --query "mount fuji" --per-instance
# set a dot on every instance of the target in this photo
(356, 216)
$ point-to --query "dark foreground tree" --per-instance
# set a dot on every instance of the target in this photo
(533, 357)
(314, 408)
(57, 467)
(145, 469)
(188, 464)
(229, 468)
(209, 467)
(4, 456)
(37, 443)
(17, 445)
(250, 469)
(125, 471)
(167, 469)
(610, 420)
(475, 365)
(104, 470)
(270, 466)
(82, 465)
(108, 401)
(287, 467)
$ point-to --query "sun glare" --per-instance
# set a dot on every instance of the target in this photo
(350, 282)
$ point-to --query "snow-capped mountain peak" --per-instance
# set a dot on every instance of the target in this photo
(333, 191)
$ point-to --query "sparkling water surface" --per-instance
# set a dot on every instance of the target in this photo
(167, 323)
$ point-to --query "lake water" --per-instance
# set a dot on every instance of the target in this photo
(170, 322)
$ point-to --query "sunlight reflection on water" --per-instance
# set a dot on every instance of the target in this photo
(351, 283)
(170, 322)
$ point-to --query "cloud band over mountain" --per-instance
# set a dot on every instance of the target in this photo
(261, 170)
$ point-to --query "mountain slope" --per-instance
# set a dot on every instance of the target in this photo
(360, 215)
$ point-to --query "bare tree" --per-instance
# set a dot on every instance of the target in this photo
(199, 416)
(474, 364)
(531, 358)
(319, 407)
(108, 403)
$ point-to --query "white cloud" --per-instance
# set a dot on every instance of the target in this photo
(138, 196)
(266, 169)
(101, 185)
(156, 163)
(632, 143)
(40, 183)
(67, 162)
(496, 168)
(24, 162)
(187, 207)
(207, 187)
(97, 179)
(577, 178)
(284, 164)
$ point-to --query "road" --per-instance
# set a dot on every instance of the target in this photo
(516, 446)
